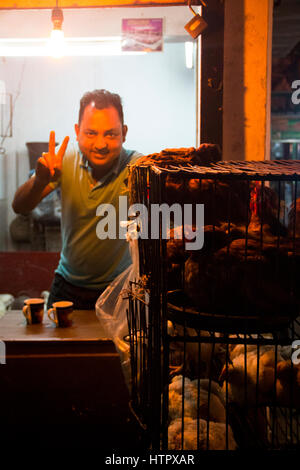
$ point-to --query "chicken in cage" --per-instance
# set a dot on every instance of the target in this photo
(251, 390)
(221, 392)
(223, 318)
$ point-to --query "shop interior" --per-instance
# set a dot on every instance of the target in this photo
(186, 350)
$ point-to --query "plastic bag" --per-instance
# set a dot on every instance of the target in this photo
(112, 306)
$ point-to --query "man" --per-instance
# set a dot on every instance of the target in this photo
(94, 173)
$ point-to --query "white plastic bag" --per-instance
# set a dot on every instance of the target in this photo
(112, 306)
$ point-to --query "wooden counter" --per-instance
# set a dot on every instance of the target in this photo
(86, 327)
(66, 382)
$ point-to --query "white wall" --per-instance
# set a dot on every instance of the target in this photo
(158, 94)
(157, 90)
(90, 21)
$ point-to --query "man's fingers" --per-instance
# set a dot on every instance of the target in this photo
(51, 159)
(51, 146)
(48, 162)
(42, 172)
(43, 161)
(62, 148)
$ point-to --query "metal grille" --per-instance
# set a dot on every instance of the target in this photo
(211, 360)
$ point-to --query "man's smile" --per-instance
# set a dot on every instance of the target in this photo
(100, 154)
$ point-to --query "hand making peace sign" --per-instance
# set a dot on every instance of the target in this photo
(48, 167)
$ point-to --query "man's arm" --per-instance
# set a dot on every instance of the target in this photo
(48, 170)
(29, 195)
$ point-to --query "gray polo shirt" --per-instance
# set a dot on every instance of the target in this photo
(86, 260)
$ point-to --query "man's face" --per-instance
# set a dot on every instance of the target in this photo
(100, 136)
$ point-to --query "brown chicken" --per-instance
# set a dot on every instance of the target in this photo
(288, 384)
(245, 279)
(265, 208)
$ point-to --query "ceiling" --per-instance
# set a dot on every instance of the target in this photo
(286, 16)
(286, 26)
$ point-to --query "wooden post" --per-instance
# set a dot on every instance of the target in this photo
(247, 79)
(212, 52)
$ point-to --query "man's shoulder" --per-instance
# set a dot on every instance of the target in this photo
(135, 156)
(71, 161)
(72, 153)
(130, 156)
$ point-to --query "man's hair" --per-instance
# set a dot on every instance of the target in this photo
(101, 99)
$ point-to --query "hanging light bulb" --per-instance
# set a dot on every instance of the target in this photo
(56, 43)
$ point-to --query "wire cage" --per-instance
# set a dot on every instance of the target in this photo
(214, 339)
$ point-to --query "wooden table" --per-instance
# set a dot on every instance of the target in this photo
(86, 327)
(63, 382)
